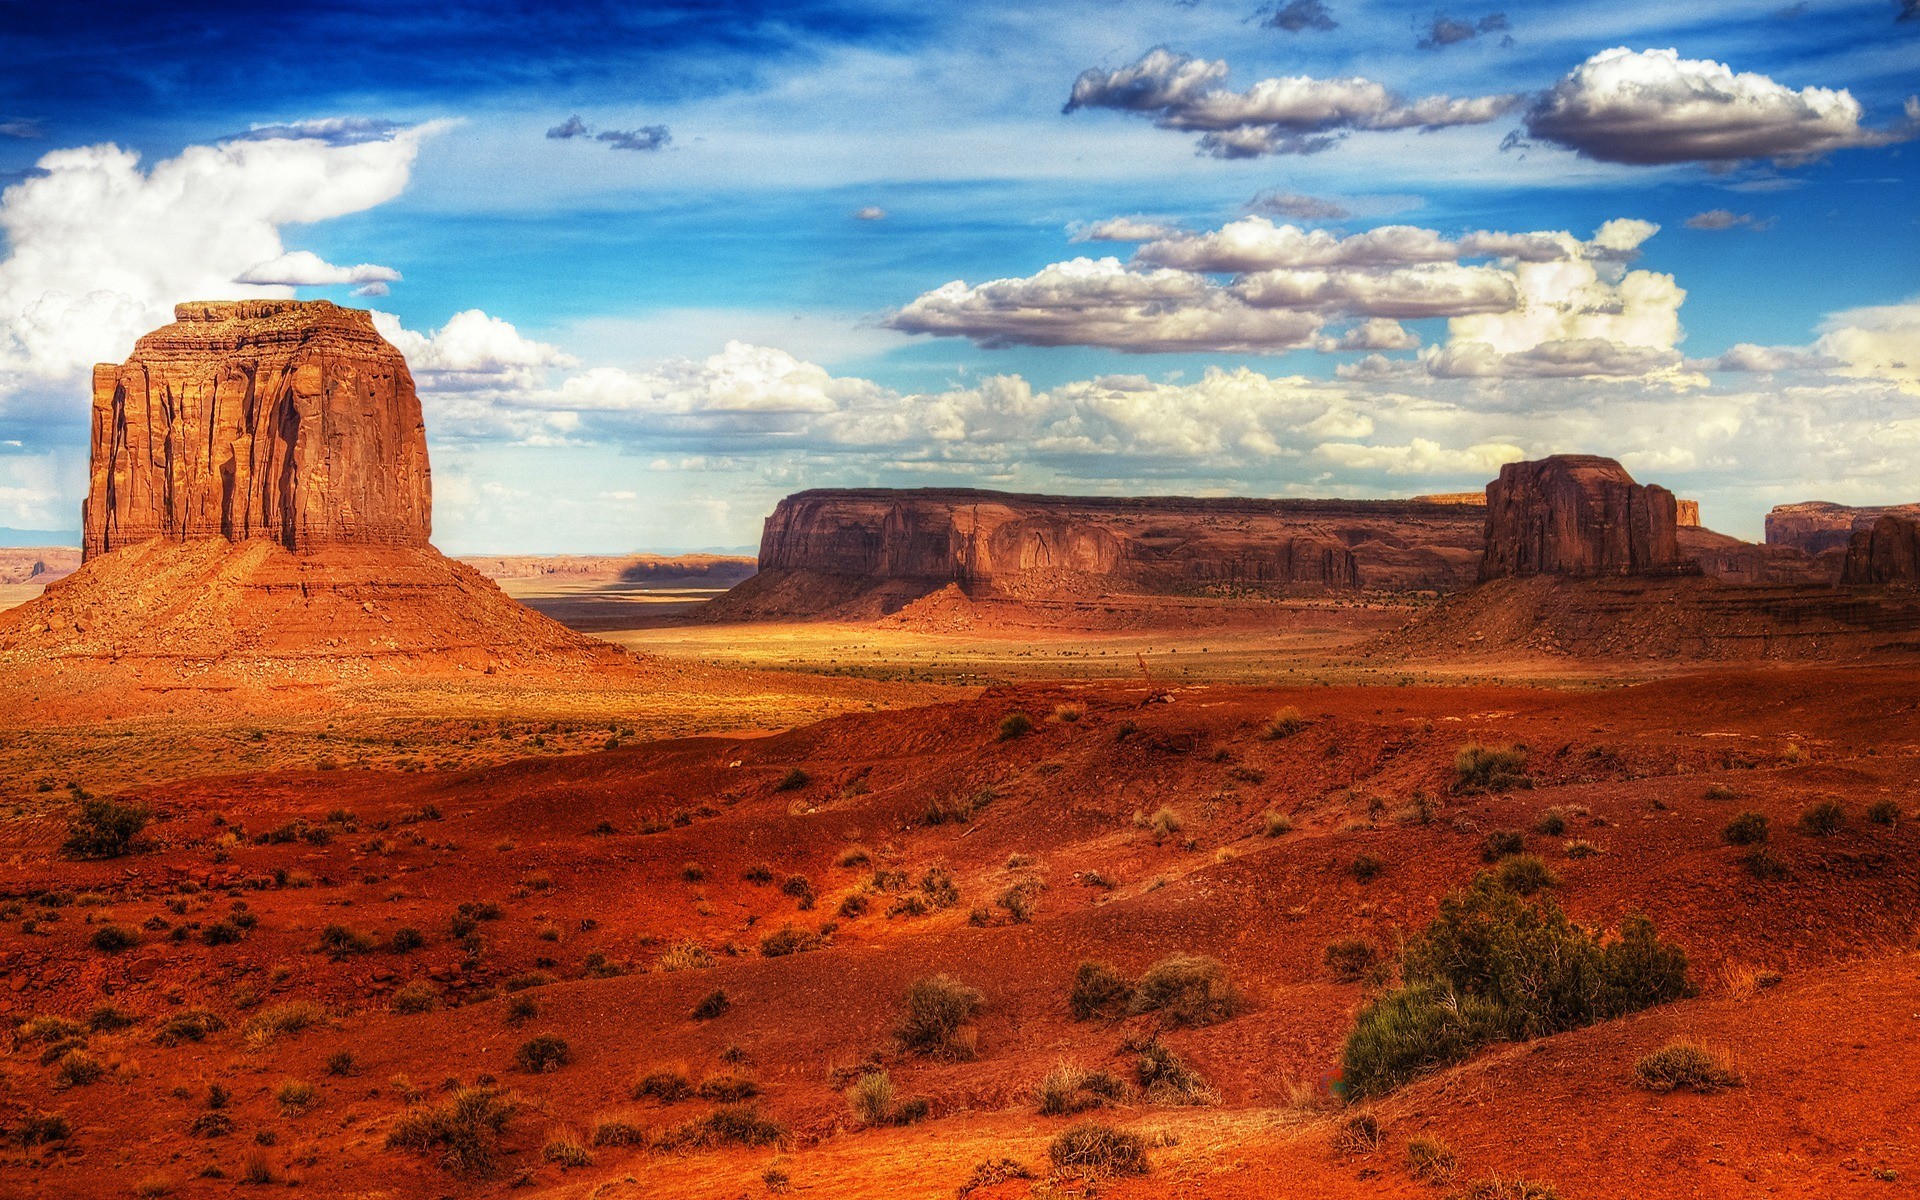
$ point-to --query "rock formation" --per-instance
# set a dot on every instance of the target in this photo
(280, 419)
(1578, 515)
(877, 549)
(1887, 552)
(1687, 514)
(1817, 526)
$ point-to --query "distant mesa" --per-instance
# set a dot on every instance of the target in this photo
(1817, 527)
(1885, 553)
(1579, 515)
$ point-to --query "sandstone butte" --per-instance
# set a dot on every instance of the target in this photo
(1887, 552)
(1579, 515)
(1819, 527)
(287, 420)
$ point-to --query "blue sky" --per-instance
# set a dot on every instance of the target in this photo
(816, 171)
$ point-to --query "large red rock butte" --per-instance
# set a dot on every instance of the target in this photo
(1819, 526)
(1888, 552)
(287, 420)
(1578, 515)
(866, 549)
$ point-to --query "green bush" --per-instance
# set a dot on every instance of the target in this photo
(463, 1132)
(938, 1017)
(1187, 989)
(1490, 769)
(1747, 829)
(1500, 843)
(104, 828)
(1098, 991)
(1496, 966)
(543, 1053)
(1093, 1149)
(1525, 874)
(1822, 819)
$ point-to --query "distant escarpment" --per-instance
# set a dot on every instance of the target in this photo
(862, 552)
(1817, 526)
(277, 419)
(1887, 552)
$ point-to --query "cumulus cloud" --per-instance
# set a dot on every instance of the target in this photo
(1443, 31)
(1745, 357)
(1292, 115)
(1881, 342)
(1298, 16)
(1124, 229)
(304, 268)
(472, 350)
(647, 137)
(1256, 243)
(1652, 107)
(1718, 219)
(1297, 206)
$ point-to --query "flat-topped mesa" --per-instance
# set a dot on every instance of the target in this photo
(287, 420)
(1578, 515)
(1887, 552)
(1818, 526)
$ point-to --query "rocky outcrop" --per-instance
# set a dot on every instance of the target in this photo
(287, 420)
(1578, 515)
(1817, 526)
(1887, 552)
(1730, 560)
(1687, 514)
(878, 549)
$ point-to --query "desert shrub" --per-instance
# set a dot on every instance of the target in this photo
(521, 1008)
(43, 1129)
(1822, 818)
(1285, 724)
(793, 780)
(294, 1096)
(104, 828)
(462, 1133)
(405, 940)
(800, 888)
(193, 1025)
(1090, 1148)
(759, 875)
(1683, 1064)
(1525, 874)
(76, 1068)
(1068, 713)
(728, 1087)
(295, 1016)
(854, 856)
(993, 1172)
(1165, 1078)
(939, 887)
(1496, 966)
(211, 1125)
(112, 939)
(1490, 769)
(1166, 822)
(1719, 791)
(1500, 843)
(729, 1125)
(854, 904)
(789, 940)
(1747, 829)
(618, 1131)
(1186, 989)
(565, 1150)
(1361, 1133)
(220, 933)
(1275, 824)
(340, 942)
(110, 1018)
(542, 1053)
(1068, 1089)
(871, 1098)
(256, 1168)
(1580, 848)
(1884, 812)
(1015, 725)
(668, 1085)
(1019, 900)
(1431, 1160)
(1495, 1188)
(340, 1062)
(1365, 868)
(1551, 823)
(1098, 991)
(1351, 959)
(1764, 864)
(937, 1019)
(711, 1005)
(417, 997)
(684, 956)
(50, 1027)
(526, 981)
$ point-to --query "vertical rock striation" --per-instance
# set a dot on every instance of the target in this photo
(293, 421)
(1578, 515)
(1886, 552)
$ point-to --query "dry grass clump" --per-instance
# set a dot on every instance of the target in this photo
(1823, 818)
(279, 1020)
(1490, 769)
(1885, 811)
(1351, 959)
(713, 1004)
(542, 1053)
(854, 856)
(668, 1085)
(462, 1133)
(1431, 1161)
(294, 1096)
(1098, 991)
(564, 1150)
(938, 1018)
(1744, 982)
(1275, 824)
(874, 1102)
(1285, 723)
(76, 1068)
(729, 1125)
(793, 780)
(618, 1131)
(1165, 822)
(684, 956)
(1500, 843)
(1166, 1079)
(1525, 874)
(193, 1025)
(1551, 823)
(420, 996)
(1360, 1134)
(1069, 1089)
(1187, 989)
(1496, 1188)
(991, 1173)
(728, 1087)
(1069, 712)
(1685, 1064)
(1015, 725)
(789, 940)
(1097, 1150)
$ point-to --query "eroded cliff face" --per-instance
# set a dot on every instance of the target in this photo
(1887, 552)
(823, 550)
(287, 420)
(1817, 526)
(1578, 515)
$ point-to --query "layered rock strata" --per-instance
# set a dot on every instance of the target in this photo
(1578, 515)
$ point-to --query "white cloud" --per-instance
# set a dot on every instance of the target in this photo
(1293, 115)
(472, 350)
(1655, 107)
(1421, 456)
(304, 268)
(1881, 342)
(871, 212)
(1124, 229)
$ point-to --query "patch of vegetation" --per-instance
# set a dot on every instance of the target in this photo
(1551, 823)
(793, 780)
(1015, 725)
(992, 1172)
(1431, 1161)
(1284, 724)
(543, 1053)
(1167, 1079)
(406, 940)
(731, 1125)
(728, 1087)
(1187, 989)
(341, 942)
(417, 997)
(111, 1018)
(684, 956)
(462, 1133)
(800, 888)
(1763, 864)
(1365, 868)
(43, 1129)
(759, 875)
(1885, 811)
(341, 1063)
(789, 940)
(564, 1150)
(193, 1025)
(114, 939)
(1500, 843)
(295, 1016)
(1490, 769)
(1274, 824)
(1525, 874)
(1097, 1150)
(940, 888)
(1361, 1133)
(854, 905)
(1495, 966)
(1747, 829)
(1580, 848)
(1165, 823)
(937, 1021)
(104, 828)
(294, 1096)
(1684, 1064)
(713, 1004)
(1068, 1089)
(76, 1068)
(1351, 959)
(1718, 791)
(854, 856)
(1496, 1188)
(618, 1131)
(668, 1085)
(1822, 818)
(1098, 991)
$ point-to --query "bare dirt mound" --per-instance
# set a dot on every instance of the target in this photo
(213, 611)
(1654, 618)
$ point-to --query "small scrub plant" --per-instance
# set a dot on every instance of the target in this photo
(854, 856)
(564, 1150)
(1098, 991)
(937, 1020)
(104, 828)
(543, 1053)
(113, 939)
(1167, 1079)
(1822, 818)
(1068, 1089)
(728, 1087)
(854, 905)
(76, 1068)
(668, 1085)
(789, 940)
(1496, 1188)
(406, 940)
(1718, 791)
(1763, 864)
(1551, 823)
(871, 1098)
(1431, 1161)
(693, 872)
(1580, 848)
(793, 780)
(1359, 1134)
(417, 997)
(1165, 823)
(1285, 723)
(1015, 725)
(684, 956)
(1365, 868)
(940, 888)
(294, 1096)
(1490, 769)
(1275, 824)
(993, 1172)
(193, 1025)
(1525, 874)
(1884, 811)
(1069, 713)
(1684, 1064)
(340, 1062)
(462, 1133)
(282, 1020)
(1500, 843)
(1351, 959)
(800, 888)
(618, 1131)
(1747, 829)
(729, 1125)
(1096, 1150)
(713, 1004)
(339, 941)
(759, 875)
(1186, 989)
(43, 1129)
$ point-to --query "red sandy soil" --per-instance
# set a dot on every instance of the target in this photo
(1832, 1092)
